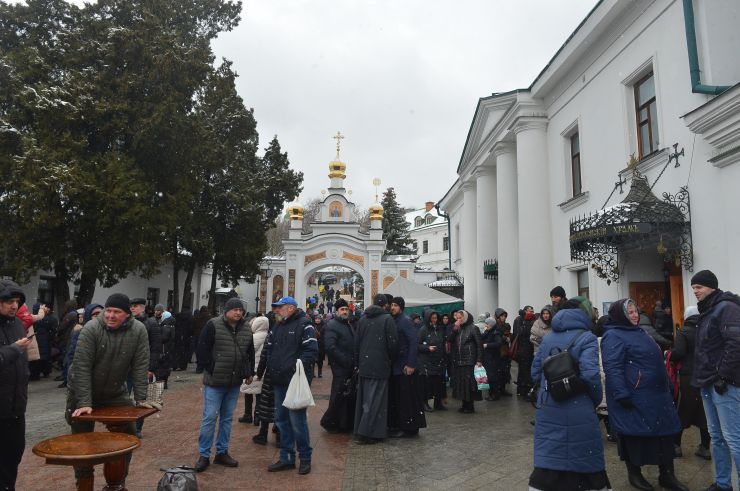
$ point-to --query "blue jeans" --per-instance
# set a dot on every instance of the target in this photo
(723, 421)
(218, 403)
(293, 428)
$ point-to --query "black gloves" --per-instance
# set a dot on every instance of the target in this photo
(626, 403)
(720, 386)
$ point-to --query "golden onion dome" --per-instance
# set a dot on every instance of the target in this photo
(376, 211)
(337, 168)
(295, 210)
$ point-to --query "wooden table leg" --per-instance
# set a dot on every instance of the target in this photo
(86, 481)
(115, 474)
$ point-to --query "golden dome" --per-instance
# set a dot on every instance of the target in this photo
(337, 168)
(295, 210)
(376, 211)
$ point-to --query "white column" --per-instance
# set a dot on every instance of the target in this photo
(535, 236)
(508, 228)
(468, 246)
(487, 235)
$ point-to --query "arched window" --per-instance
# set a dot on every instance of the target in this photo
(418, 222)
(430, 219)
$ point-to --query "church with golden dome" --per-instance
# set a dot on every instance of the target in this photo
(335, 239)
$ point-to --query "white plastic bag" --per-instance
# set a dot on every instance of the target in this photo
(254, 388)
(299, 394)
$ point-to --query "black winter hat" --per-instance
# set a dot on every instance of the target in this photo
(705, 278)
(340, 303)
(138, 301)
(558, 291)
(380, 300)
(119, 301)
(400, 302)
(388, 298)
(233, 303)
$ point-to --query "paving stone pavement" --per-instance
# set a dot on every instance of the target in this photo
(491, 449)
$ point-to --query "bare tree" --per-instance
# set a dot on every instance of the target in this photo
(276, 235)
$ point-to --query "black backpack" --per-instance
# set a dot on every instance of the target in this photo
(562, 373)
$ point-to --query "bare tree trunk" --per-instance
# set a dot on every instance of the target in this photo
(176, 280)
(212, 291)
(88, 281)
(187, 288)
(61, 286)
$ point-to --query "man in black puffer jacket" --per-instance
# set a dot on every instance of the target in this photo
(292, 338)
(13, 382)
(376, 346)
(717, 372)
(226, 350)
(339, 341)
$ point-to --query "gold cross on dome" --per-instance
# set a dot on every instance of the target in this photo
(338, 137)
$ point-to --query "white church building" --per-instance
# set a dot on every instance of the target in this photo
(544, 189)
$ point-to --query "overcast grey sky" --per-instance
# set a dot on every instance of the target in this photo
(399, 78)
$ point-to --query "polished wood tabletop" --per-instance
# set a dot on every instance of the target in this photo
(116, 414)
(86, 446)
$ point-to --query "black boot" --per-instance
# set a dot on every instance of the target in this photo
(668, 479)
(261, 437)
(636, 479)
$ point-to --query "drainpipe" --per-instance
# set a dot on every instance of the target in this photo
(696, 86)
(449, 236)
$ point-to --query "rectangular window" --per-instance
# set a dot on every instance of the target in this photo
(575, 163)
(445, 243)
(583, 283)
(170, 298)
(647, 116)
(152, 297)
(45, 293)
(425, 247)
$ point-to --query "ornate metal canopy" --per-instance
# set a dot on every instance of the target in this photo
(640, 222)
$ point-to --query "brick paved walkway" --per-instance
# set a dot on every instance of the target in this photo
(491, 449)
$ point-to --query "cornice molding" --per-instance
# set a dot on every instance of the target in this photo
(529, 123)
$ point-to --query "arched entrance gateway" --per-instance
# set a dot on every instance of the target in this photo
(335, 240)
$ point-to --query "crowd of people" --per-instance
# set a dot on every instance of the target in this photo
(647, 384)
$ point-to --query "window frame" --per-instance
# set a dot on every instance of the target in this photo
(576, 156)
(425, 247)
(445, 243)
(652, 125)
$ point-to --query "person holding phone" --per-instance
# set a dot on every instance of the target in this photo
(13, 382)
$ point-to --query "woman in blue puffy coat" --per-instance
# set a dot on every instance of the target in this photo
(568, 449)
(638, 395)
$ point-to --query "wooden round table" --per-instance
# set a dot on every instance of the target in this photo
(86, 450)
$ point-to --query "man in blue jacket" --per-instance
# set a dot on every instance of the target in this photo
(717, 372)
(292, 338)
(405, 413)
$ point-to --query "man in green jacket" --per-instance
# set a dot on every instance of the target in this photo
(109, 348)
(226, 350)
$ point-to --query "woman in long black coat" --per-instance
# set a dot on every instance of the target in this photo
(690, 405)
(524, 352)
(432, 362)
(467, 352)
(492, 339)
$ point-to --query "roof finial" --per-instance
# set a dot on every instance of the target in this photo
(376, 183)
(338, 137)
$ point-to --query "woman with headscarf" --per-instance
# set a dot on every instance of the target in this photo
(265, 408)
(500, 316)
(524, 352)
(467, 352)
(492, 339)
(259, 326)
(638, 395)
(568, 452)
(541, 327)
(432, 362)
